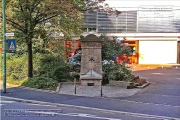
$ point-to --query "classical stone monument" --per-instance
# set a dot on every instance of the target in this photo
(91, 60)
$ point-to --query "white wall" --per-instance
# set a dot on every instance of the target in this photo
(157, 52)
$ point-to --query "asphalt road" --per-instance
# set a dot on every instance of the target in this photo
(159, 101)
(11, 110)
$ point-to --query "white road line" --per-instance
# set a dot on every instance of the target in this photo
(158, 73)
(6, 101)
(2, 104)
(177, 73)
(74, 114)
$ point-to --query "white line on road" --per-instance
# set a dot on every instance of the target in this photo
(96, 109)
(88, 116)
(177, 73)
(6, 101)
(75, 115)
(158, 73)
(2, 104)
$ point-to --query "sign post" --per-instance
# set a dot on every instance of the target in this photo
(4, 46)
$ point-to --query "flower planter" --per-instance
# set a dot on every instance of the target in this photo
(124, 84)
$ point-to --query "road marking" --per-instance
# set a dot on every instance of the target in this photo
(6, 101)
(158, 73)
(73, 114)
(88, 116)
(95, 109)
(177, 73)
(2, 104)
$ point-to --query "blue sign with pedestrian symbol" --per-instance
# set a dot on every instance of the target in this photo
(11, 46)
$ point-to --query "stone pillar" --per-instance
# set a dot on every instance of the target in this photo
(91, 60)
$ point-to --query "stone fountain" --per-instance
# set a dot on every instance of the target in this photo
(91, 60)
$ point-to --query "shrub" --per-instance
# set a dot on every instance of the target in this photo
(41, 83)
(116, 72)
(47, 66)
(57, 69)
(111, 49)
(16, 71)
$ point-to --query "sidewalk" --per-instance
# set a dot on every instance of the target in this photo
(88, 93)
(95, 91)
(69, 89)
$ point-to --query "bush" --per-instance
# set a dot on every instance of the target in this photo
(57, 69)
(116, 72)
(41, 83)
(111, 49)
(47, 66)
(16, 70)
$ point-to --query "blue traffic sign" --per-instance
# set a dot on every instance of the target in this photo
(11, 46)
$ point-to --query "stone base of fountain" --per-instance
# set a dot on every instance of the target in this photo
(91, 79)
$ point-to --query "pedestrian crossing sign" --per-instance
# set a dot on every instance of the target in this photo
(11, 46)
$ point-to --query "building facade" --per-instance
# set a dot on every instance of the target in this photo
(153, 32)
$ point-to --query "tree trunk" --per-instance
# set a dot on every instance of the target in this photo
(30, 60)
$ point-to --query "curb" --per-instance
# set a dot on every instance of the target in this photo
(143, 86)
(89, 108)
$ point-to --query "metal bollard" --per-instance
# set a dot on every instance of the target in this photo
(101, 89)
(74, 85)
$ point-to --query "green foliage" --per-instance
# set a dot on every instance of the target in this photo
(28, 18)
(112, 49)
(114, 71)
(57, 69)
(117, 72)
(50, 67)
(41, 83)
(16, 69)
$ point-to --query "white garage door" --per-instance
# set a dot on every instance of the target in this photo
(157, 52)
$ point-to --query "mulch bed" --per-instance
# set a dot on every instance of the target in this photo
(139, 81)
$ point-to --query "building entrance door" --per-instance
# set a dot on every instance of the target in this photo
(134, 45)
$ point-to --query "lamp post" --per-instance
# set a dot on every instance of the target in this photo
(4, 46)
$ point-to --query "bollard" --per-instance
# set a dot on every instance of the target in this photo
(101, 89)
(74, 85)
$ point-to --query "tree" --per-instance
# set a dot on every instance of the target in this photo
(111, 49)
(28, 16)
